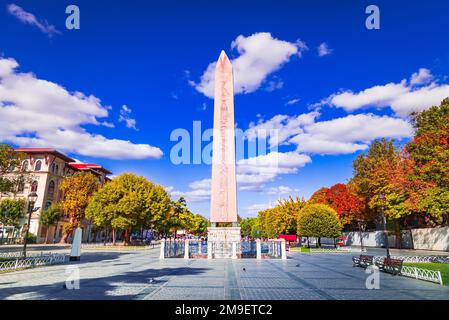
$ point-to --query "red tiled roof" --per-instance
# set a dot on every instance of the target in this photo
(88, 166)
(45, 150)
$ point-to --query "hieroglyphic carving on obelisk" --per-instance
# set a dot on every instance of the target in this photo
(224, 193)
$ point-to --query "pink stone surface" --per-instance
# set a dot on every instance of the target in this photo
(224, 193)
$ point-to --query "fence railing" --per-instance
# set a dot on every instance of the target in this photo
(32, 262)
(192, 248)
(19, 254)
(422, 274)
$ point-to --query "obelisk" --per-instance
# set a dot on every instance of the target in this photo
(224, 194)
(224, 187)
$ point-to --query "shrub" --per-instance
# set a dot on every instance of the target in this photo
(318, 220)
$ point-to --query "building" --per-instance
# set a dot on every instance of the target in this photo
(47, 168)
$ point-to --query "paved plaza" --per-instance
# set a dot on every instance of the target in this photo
(141, 275)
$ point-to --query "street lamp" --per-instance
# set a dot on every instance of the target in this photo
(360, 223)
(384, 221)
(32, 197)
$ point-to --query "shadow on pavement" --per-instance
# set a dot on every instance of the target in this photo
(130, 285)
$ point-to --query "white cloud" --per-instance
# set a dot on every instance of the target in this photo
(200, 191)
(255, 172)
(40, 113)
(292, 102)
(29, 18)
(324, 50)
(423, 76)
(254, 209)
(282, 190)
(337, 136)
(404, 97)
(259, 55)
(274, 84)
(124, 116)
(280, 128)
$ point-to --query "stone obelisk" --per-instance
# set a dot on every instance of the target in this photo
(224, 187)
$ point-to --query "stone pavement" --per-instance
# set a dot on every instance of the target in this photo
(141, 275)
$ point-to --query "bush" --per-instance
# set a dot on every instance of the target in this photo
(31, 239)
(318, 220)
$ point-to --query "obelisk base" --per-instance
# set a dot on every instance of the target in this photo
(221, 239)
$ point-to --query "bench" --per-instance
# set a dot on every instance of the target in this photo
(393, 266)
(363, 261)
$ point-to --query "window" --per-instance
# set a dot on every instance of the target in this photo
(38, 165)
(34, 186)
(57, 169)
(25, 165)
(47, 205)
(51, 188)
(100, 179)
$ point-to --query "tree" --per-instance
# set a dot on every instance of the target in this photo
(199, 225)
(318, 220)
(77, 189)
(10, 161)
(247, 225)
(318, 196)
(179, 216)
(429, 153)
(50, 216)
(128, 202)
(347, 205)
(11, 211)
(382, 171)
(281, 219)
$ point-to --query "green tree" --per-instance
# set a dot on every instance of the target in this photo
(247, 225)
(10, 161)
(11, 211)
(381, 171)
(320, 221)
(77, 189)
(128, 202)
(429, 151)
(50, 217)
(199, 225)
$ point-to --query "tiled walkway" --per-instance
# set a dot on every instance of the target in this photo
(141, 275)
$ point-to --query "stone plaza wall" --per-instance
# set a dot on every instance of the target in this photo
(421, 239)
(431, 239)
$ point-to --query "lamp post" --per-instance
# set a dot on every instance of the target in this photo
(32, 197)
(384, 221)
(360, 223)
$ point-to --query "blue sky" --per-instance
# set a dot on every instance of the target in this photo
(150, 56)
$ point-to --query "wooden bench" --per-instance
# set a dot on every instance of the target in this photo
(393, 266)
(363, 261)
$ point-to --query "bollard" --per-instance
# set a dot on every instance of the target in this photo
(162, 254)
(199, 247)
(283, 250)
(258, 249)
(186, 249)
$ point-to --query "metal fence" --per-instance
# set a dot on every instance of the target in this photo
(422, 274)
(32, 262)
(174, 248)
(247, 249)
(271, 249)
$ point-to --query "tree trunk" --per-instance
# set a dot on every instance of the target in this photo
(308, 243)
(126, 238)
(113, 237)
(46, 235)
(319, 242)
